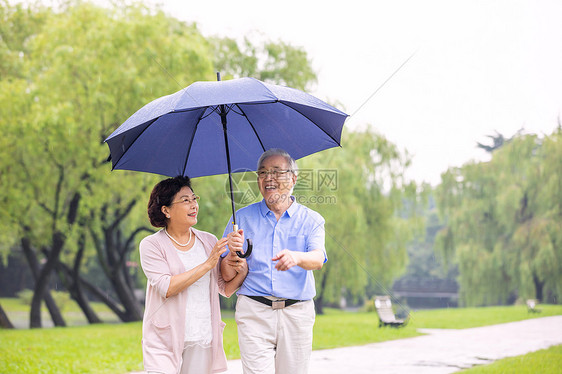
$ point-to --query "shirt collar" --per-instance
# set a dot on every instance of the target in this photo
(292, 209)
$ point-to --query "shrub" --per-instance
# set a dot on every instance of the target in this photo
(61, 298)
(25, 296)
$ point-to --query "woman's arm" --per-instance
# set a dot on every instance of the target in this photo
(235, 283)
(180, 282)
(231, 264)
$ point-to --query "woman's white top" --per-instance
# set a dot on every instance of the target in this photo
(198, 317)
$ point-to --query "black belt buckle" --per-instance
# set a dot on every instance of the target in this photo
(274, 304)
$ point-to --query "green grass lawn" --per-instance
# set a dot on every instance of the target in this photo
(115, 347)
(106, 348)
(545, 361)
(18, 313)
(462, 318)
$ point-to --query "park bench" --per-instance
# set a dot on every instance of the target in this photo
(532, 306)
(383, 306)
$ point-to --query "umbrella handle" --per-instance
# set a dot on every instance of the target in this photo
(248, 249)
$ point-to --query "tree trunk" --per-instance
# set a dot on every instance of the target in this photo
(35, 314)
(112, 249)
(133, 311)
(4, 320)
(319, 301)
(71, 280)
(539, 287)
(105, 298)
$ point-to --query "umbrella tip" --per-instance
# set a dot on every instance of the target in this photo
(218, 75)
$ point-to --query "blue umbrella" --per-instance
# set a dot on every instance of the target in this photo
(211, 128)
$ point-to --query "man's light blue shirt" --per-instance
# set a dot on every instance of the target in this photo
(298, 229)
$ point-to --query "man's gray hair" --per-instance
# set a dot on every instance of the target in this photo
(279, 152)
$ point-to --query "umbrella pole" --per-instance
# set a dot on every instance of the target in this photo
(223, 120)
(222, 113)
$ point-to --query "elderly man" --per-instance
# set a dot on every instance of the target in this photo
(275, 312)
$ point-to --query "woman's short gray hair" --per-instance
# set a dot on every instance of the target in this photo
(279, 152)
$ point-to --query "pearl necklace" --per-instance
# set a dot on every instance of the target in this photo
(175, 241)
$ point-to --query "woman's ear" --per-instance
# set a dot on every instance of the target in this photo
(165, 211)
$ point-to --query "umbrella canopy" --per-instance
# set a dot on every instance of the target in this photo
(213, 128)
(183, 133)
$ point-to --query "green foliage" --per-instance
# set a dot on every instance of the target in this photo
(360, 190)
(83, 69)
(87, 349)
(61, 298)
(72, 74)
(464, 318)
(545, 361)
(343, 329)
(274, 62)
(369, 306)
(365, 235)
(25, 296)
(116, 348)
(503, 222)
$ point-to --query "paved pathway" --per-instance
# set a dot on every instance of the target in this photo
(438, 352)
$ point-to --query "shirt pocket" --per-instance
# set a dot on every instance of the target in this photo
(297, 243)
(159, 337)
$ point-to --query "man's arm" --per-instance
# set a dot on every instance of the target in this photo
(312, 260)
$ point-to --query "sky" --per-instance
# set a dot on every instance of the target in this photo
(473, 67)
(433, 76)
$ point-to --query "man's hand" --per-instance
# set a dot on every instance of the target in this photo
(235, 262)
(236, 241)
(286, 259)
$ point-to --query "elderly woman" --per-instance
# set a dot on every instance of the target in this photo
(182, 326)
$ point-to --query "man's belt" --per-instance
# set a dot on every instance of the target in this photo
(274, 304)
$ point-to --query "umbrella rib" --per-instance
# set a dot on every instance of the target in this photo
(296, 110)
(133, 142)
(184, 171)
(252, 126)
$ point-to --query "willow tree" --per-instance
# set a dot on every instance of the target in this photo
(501, 222)
(71, 75)
(82, 72)
(359, 189)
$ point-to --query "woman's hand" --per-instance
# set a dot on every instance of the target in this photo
(218, 250)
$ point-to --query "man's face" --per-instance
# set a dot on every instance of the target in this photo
(274, 180)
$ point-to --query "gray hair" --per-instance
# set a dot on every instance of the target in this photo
(279, 152)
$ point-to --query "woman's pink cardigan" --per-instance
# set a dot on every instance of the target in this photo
(164, 318)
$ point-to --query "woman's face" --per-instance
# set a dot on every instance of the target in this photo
(183, 209)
